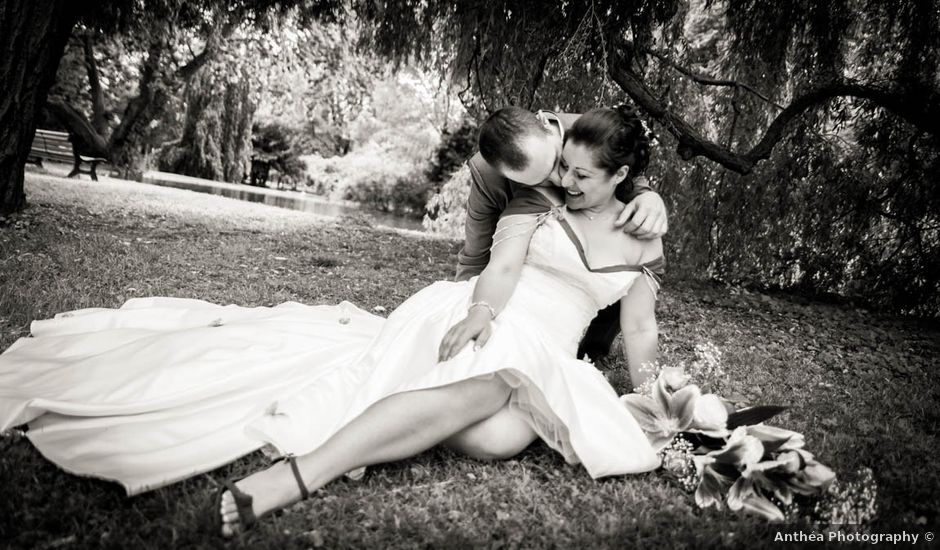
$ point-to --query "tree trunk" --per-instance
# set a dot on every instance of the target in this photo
(35, 32)
(156, 89)
(98, 113)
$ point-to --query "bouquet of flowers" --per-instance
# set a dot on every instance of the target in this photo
(730, 456)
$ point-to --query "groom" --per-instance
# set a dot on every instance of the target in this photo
(518, 150)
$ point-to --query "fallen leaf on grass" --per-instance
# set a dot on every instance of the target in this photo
(314, 537)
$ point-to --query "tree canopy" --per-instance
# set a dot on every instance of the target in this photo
(821, 120)
(797, 142)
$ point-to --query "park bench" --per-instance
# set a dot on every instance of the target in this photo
(56, 146)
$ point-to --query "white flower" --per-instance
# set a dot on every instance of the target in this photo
(710, 416)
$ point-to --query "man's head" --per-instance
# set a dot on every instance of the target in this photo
(521, 147)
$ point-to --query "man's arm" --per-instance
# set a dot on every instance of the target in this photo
(645, 214)
(484, 205)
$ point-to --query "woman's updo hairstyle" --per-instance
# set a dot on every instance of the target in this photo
(617, 137)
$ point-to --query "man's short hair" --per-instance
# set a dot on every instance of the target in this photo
(501, 133)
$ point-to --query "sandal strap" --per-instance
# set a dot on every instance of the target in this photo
(304, 493)
(246, 515)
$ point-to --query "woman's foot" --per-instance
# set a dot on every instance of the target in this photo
(269, 490)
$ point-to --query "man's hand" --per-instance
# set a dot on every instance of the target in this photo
(476, 326)
(644, 217)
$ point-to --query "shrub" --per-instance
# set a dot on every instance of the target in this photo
(447, 209)
(373, 176)
(455, 148)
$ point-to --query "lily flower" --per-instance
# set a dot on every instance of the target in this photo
(667, 413)
(719, 470)
(713, 483)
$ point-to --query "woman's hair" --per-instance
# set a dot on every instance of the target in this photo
(617, 137)
(501, 133)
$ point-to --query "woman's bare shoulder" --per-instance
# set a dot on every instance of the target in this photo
(641, 251)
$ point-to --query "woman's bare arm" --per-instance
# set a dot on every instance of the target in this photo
(495, 285)
(640, 331)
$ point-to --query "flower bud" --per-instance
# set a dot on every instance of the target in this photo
(674, 377)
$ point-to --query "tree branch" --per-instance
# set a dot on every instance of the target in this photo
(83, 136)
(537, 77)
(99, 119)
(920, 107)
(707, 80)
(138, 106)
(155, 86)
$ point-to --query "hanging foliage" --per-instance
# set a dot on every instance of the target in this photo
(796, 141)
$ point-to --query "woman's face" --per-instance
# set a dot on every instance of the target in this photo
(586, 184)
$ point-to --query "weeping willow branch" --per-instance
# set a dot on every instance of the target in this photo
(707, 80)
(919, 107)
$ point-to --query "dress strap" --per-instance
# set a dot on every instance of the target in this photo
(653, 279)
(520, 229)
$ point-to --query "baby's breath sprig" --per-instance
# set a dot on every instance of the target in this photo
(651, 370)
(706, 369)
(853, 502)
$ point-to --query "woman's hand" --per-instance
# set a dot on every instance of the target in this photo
(475, 326)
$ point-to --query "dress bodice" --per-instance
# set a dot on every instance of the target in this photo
(559, 290)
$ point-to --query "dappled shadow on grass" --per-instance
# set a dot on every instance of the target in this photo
(859, 386)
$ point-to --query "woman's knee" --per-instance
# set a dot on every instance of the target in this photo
(499, 437)
(486, 395)
(491, 449)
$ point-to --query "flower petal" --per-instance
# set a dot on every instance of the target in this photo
(710, 415)
(660, 440)
(791, 461)
(711, 487)
(647, 412)
(818, 475)
(784, 494)
(741, 449)
(761, 506)
(776, 439)
(682, 405)
(743, 496)
(661, 393)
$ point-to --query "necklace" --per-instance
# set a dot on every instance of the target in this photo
(598, 217)
(593, 217)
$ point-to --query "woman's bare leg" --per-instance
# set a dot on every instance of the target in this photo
(397, 427)
(501, 436)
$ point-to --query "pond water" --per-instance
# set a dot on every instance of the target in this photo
(292, 200)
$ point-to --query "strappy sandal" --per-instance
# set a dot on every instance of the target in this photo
(243, 501)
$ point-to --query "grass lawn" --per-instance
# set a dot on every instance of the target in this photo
(861, 387)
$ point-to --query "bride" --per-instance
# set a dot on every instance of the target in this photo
(163, 388)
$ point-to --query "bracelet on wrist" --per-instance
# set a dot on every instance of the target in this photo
(483, 304)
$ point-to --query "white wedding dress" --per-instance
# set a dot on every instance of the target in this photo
(166, 388)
